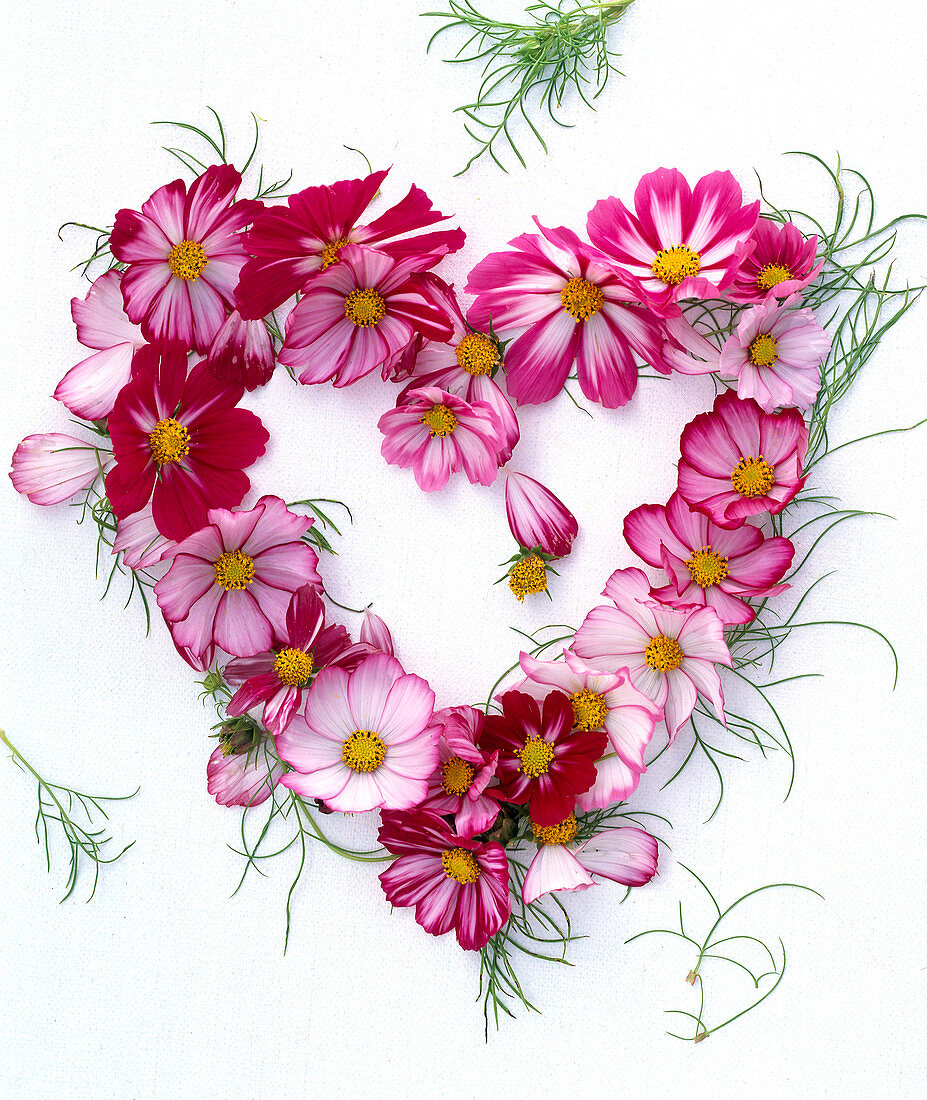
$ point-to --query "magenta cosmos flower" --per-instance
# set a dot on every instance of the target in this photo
(670, 653)
(780, 263)
(291, 243)
(436, 434)
(738, 461)
(601, 701)
(184, 252)
(230, 584)
(360, 314)
(241, 352)
(707, 564)
(679, 243)
(242, 775)
(180, 442)
(452, 881)
(544, 758)
(775, 355)
(576, 310)
(279, 677)
(458, 785)
(538, 519)
(53, 467)
(366, 740)
(90, 389)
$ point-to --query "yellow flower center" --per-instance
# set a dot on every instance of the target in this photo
(556, 834)
(457, 776)
(332, 251)
(772, 275)
(753, 477)
(234, 570)
(536, 756)
(581, 299)
(293, 666)
(187, 260)
(169, 441)
(363, 751)
(477, 354)
(707, 567)
(364, 307)
(663, 654)
(589, 709)
(763, 350)
(460, 864)
(527, 577)
(672, 265)
(440, 420)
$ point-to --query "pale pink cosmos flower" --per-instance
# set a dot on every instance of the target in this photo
(52, 467)
(241, 353)
(538, 519)
(236, 777)
(670, 653)
(458, 786)
(780, 263)
(366, 740)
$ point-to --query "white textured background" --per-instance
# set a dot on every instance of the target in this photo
(163, 987)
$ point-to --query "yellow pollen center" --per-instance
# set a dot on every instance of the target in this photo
(457, 776)
(364, 307)
(556, 834)
(589, 709)
(663, 654)
(536, 756)
(772, 275)
(581, 299)
(527, 577)
(439, 420)
(363, 751)
(332, 251)
(672, 265)
(234, 570)
(169, 441)
(293, 666)
(707, 567)
(763, 350)
(460, 864)
(187, 260)
(753, 477)
(476, 353)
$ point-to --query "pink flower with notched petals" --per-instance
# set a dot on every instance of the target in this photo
(438, 434)
(708, 564)
(679, 243)
(464, 771)
(576, 310)
(230, 584)
(670, 653)
(90, 389)
(452, 881)
(292, 243)
(780, 263)
(238, 776)
(538, 519)
(241, 353)
(53, 467)
(738, 461)
(366, 740)
(184, 252)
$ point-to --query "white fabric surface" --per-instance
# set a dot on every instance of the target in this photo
(163, 987)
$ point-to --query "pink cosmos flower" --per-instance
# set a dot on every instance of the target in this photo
(452, 881)
(89, 390)
(241, 353)
(230, 583)
(538, 519)
(52, 467)
(290, 244)
(464, 771)
(679, 243)
(670, 653)
(179, 442)
(707, 564)
(600, 700)
(366, 740)
(627, 855)
(279, 677)
(375, 633)
(775, 355)
(184, 251)
(360, 314)
(781, 263)
(738, 461)
(139, 540)
(238, 776)
(576, 310)
(436, 434)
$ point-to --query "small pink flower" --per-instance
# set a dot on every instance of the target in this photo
(538, 519)
(375, 633)
(239, 776)
(139, 540)
(464, 771)
(366, 740)
(780, 263)
(707, 564)
(52, 467)
(241, 353)
(738, 461)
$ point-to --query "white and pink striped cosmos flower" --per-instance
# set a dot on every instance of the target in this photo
(52, 467)
(366, 740)
(670, 653)
(464, 771)
(538, 519)
(780, 263)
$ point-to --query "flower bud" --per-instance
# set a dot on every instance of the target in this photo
(537, 519)
(51, 468)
